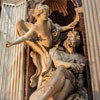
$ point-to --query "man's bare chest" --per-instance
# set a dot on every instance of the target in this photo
(70, 57)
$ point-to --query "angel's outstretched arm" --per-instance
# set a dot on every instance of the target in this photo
(22, 38)
(76, 20)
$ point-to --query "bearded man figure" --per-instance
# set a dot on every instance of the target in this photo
(60, 83)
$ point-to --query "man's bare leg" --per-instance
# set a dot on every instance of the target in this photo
(67, 89)
(50, 87)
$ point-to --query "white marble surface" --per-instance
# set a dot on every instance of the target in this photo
(11, 59)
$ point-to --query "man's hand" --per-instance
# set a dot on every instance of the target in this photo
(8, 44)
(77, 67)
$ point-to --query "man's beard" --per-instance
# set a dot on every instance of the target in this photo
(73, 45)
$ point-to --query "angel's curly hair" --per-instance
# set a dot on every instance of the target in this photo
(37, 11)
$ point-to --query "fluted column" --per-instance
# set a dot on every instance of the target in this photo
(92, 28)
(11, 59)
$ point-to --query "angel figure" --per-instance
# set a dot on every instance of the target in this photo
(40, 37)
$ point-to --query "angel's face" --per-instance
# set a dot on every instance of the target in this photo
(43, 13)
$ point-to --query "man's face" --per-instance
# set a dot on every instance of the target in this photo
(73, 40)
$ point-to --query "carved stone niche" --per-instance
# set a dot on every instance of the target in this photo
(62, 18)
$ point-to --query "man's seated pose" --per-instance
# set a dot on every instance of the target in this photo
(68, 73)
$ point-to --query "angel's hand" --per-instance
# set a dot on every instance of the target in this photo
(79, 10)
(8, 44)
(73, 24)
